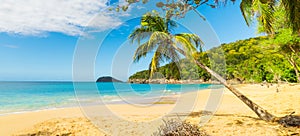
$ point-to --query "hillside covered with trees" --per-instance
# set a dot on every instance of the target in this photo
(251, 60)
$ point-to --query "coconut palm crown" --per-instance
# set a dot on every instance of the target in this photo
(154, 34)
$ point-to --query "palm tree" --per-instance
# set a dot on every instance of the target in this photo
(264, 11)
(154, 32)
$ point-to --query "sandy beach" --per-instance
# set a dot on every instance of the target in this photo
(232, 117)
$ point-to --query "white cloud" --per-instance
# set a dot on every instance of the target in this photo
(36, 17)
(11, 46)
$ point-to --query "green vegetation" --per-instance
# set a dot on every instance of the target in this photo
(252, 60)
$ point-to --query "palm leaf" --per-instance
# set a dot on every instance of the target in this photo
(292, 8)
(142, 51)
(155, 39)
(168, 52)
(189, 41)
(262, 10)
(159, 38)
(246, 10)
(192, 38)
(266, 17)
(139, 34)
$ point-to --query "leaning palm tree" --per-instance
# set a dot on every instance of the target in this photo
(154, 35)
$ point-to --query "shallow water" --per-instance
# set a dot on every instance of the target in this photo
(30, 96)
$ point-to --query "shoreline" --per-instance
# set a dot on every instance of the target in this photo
(174, 94)
(232, 117)
(95, 102)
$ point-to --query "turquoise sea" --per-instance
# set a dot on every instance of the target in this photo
(18, 97)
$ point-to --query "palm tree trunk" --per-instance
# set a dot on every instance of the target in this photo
(260, 112)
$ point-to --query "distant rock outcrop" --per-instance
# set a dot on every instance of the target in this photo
(107, 79)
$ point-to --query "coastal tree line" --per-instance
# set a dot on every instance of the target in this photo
(252, 60)
(272, 58)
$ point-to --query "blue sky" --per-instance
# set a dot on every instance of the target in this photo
(40, 45)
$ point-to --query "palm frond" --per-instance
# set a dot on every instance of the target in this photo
(155, 39)
(139, 34)
(193, 38)
(292, 8)
(187, 46)
(266, 16)
(159, 38)
(189, 41)
(246, 10)
(168, 52)
(163, 53)
(142, 51)
(263, 10)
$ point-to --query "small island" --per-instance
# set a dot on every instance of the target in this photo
(107, 79)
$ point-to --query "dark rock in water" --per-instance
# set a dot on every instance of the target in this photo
(107, 79)
(290, 121)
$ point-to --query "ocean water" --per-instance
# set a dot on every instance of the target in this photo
(30, 96)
